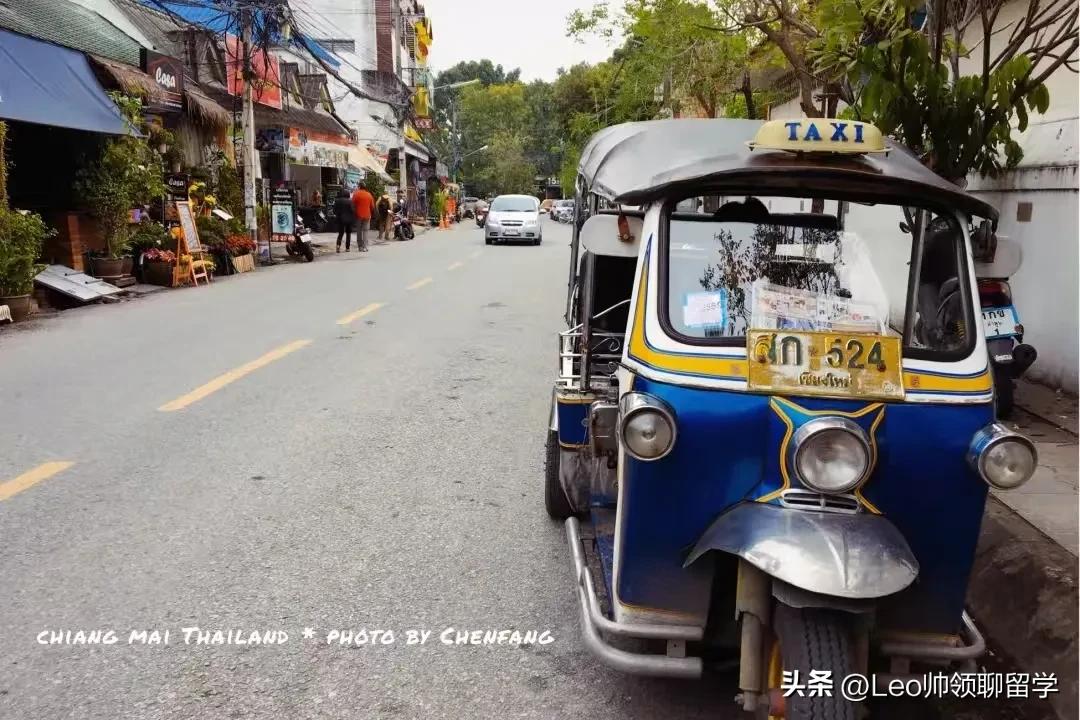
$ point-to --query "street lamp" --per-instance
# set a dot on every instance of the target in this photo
(459, 160)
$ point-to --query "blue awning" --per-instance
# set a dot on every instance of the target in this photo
(47, 84)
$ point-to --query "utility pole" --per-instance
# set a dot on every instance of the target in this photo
(455, 150)
(251, 160)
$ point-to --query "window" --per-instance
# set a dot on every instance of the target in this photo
(760, 262)
(511, 203)
(336, 45)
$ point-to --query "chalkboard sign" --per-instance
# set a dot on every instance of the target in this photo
(187, 226)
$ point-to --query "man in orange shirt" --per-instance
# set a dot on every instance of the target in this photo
(363, 203)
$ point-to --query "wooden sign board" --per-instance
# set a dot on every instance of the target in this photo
(189, 245)
(187, 226)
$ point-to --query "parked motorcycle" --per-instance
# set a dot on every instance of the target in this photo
(997, 259)
(301, 241)
(403, 229)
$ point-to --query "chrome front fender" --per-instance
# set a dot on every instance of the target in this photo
(849, 556)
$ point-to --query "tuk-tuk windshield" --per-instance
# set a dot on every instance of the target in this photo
(790, 263)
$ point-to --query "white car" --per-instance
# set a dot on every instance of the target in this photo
(513, 218)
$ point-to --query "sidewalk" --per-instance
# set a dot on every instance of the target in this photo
(1023, 586)
(1049, 501)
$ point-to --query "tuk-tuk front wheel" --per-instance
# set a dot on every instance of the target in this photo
(555, 501)
(810, 639)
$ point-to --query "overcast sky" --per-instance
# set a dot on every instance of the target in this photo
(526, 34)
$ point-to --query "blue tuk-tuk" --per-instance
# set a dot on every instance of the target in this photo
(772, 432)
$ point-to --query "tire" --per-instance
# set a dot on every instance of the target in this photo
(816, 639)
(487, 241)
(555, 502)
(408, 232)
(309, 254)
(289, 249)
(1003, 395)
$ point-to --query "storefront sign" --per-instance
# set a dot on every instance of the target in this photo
(425, 123)
(168, 74)
(282, 214)
(305, 151)
(270, 140)
(176, 184)
(266, 88)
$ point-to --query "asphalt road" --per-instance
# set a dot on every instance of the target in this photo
(352, 445)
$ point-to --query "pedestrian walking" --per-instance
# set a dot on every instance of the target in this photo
(382, 209)
(346, 218)
(363, 207)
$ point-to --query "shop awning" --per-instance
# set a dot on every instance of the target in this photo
(50, 85)
(361, 159)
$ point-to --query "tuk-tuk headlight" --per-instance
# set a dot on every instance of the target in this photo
(1003, 458)
(646, 426)
(832, 455)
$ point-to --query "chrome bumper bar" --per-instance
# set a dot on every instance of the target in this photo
(593, 622)
(974, 647)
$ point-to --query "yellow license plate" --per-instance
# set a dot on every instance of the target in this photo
(825, 363)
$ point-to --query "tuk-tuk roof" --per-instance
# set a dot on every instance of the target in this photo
(638, 162)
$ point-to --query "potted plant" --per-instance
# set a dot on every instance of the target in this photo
(127, 174)
(241, 248)
(158, 266)
(21, 238)
(148, 235)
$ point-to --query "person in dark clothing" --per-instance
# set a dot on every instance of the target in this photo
(382, 208)
(346, 218)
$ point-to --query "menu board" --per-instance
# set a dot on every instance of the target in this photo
(187, 226)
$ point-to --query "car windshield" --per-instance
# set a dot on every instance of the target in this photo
(802, 264)
(513, 204)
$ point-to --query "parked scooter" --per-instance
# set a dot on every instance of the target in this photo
(301, 241)
(403, 229)
(997, 258)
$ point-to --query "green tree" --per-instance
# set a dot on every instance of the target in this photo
(669, 43)
(508, 169)
(905, 76)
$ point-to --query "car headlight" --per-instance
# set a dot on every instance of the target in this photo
(1003, 458)
(831, 455)
(646, 426)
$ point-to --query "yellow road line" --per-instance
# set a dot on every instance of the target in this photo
(455, 266)
(419, 284)
(32, 477)
(354, 316)
(233, 375)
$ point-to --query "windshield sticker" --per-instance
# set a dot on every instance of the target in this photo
(783, 308)
(706, 310)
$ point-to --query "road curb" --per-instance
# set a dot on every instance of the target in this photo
(1023, 595)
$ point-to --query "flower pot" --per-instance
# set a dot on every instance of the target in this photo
(107, 267)
(19, 305)
(158, 273)
(243, 263)
(127, 265)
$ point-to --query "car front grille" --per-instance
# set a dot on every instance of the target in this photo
(511, 223)
(798, 499)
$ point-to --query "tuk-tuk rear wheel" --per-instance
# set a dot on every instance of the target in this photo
(555, 500)
(811, 639)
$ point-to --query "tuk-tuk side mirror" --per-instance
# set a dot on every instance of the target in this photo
(984, 242)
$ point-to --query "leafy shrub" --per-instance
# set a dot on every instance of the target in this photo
(21, 238)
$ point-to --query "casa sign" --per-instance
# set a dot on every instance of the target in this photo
(168, 74)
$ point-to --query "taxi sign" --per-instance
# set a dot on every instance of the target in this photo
(824, 135)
